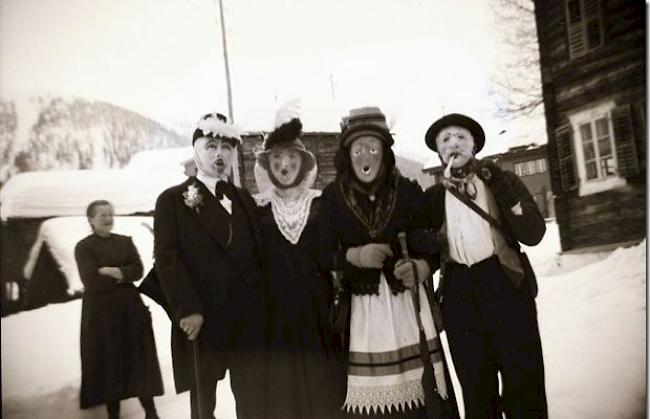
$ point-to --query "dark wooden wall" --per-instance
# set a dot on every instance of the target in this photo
(614, 71)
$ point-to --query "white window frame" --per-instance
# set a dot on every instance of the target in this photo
(519, 168)
(589, 187)
(530, 167)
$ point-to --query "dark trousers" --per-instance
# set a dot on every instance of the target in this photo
(243, 353)
(492, 327)
(246, 380)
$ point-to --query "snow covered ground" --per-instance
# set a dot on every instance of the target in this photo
(592, 320)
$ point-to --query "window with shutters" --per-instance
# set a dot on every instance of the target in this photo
(584, 26)
(597, 148)
(604, 147)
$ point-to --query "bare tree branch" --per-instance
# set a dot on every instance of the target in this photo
(524, 6)
(517, 84)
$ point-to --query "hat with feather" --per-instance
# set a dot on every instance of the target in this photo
(286, 135)
(215, 125)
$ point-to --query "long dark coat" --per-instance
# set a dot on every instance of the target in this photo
(118, 352)
(301, 359)
(193, 267)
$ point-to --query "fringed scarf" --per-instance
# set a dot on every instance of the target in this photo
(382, 203)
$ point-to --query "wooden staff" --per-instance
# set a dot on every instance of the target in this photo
(197, 382)
(432, 400)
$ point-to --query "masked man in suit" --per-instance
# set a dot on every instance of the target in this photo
(487, 286)
(209, 264)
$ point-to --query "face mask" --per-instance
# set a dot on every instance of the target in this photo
(455, 141)
(213, 157)
(366, 155)
(285, 166)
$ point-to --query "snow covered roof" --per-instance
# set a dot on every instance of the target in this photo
(68, 192)
(431, 162)
(169, 159)
(61, 235)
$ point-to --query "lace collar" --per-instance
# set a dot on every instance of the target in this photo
(290, 210)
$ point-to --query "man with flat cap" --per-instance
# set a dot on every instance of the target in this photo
(208, 255)
(487, 288)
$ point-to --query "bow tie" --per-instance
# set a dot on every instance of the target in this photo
(222, 189)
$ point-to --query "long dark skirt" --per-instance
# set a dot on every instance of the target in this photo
(118, 352)
(302, 375)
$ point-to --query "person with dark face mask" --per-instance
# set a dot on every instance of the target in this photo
(487, 287)
(299, 359)
(209, 263)
(362, 212)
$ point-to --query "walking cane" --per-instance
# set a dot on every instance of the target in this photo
(432, 400)
(197, 382)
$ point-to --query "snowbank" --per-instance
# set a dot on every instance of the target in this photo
(592, 322)
(68, 192)
(593, 327)
(61, 235)
(547, 249)
(41, 368)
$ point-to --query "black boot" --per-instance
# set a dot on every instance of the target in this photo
(149, 408)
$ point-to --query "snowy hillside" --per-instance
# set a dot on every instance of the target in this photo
(43, 132)
(592, 323)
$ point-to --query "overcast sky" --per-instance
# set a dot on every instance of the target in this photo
(415, 59)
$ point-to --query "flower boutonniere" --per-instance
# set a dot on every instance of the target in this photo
(193, 198)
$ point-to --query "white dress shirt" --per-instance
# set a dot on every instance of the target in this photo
(469, 235)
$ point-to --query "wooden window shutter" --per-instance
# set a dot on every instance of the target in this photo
(593, 25)
(584, 26)
(626, 154)
(642, 114)
(575, 28)
(564, 146)
(641, 133)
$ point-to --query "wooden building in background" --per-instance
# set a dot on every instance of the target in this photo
(593, 66)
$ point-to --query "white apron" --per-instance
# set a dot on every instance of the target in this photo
(384, 369)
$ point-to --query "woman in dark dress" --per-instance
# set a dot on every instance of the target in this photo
(118, 352)
(362, 212)
(302, 383)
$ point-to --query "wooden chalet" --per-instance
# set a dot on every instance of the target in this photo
(593, 66)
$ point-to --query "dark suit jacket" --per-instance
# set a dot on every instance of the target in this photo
(527, 228)
(193, 266)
